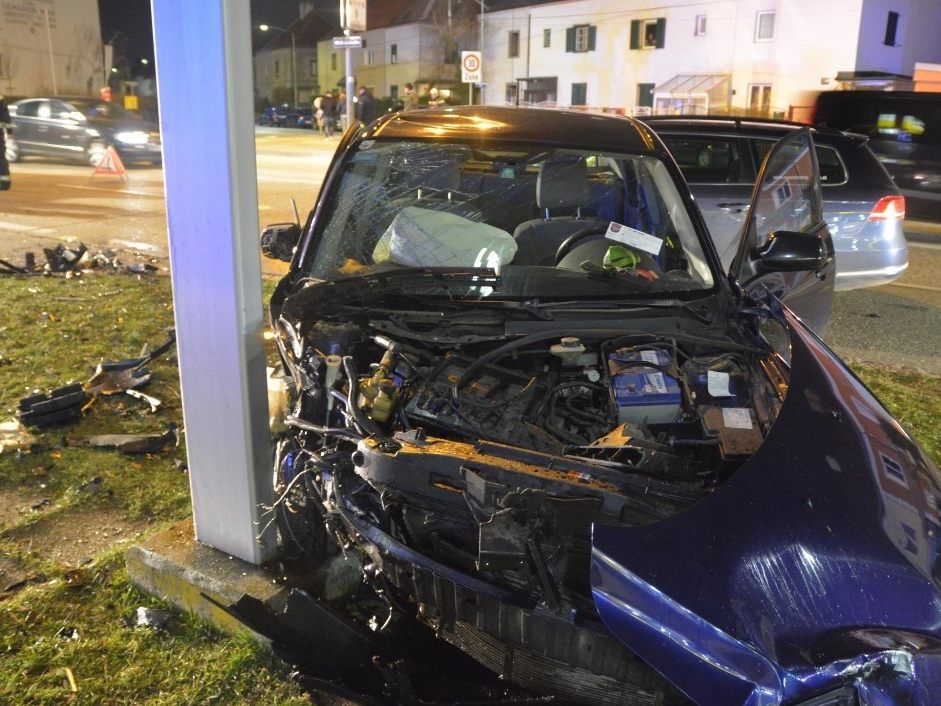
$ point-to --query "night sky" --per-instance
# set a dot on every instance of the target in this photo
(130, 20)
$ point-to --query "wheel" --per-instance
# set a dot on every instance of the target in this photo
(95, 153)
(12, 150)
(577, 238)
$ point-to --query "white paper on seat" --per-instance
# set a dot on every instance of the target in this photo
(420, 237)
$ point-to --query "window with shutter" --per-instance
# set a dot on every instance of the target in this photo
(648, 34)
(584, 38)
(570, 39)
(579, 93)
(635, 34)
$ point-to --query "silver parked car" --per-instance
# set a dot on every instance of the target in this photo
(864, 209)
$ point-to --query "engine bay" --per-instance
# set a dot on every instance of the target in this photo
(494, 458)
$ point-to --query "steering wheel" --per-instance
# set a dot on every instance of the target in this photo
(576, 239)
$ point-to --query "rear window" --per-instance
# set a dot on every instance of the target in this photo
(832, 169)
(707, 160)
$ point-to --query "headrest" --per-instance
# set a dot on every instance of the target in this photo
(562, 183)
(434, 169)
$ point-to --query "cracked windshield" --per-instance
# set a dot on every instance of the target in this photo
(549, 222)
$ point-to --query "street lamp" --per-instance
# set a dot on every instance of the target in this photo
(265, 28)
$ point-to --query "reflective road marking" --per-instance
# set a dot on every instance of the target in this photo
(24, 229)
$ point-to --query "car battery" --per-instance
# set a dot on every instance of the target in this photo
(644, 394)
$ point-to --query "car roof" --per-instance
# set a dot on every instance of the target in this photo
(550, 127)
(752, 127)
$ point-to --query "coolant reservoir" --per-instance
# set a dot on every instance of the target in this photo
(278, 399)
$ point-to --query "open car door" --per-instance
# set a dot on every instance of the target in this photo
(786, 251)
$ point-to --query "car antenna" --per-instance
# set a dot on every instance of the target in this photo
(297, 218)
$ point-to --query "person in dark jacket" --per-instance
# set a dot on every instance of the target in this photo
(365, 107)
(5, 124)
(329, 107)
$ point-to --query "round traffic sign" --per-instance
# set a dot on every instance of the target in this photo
(471, 62)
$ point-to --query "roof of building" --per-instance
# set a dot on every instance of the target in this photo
(498, 5)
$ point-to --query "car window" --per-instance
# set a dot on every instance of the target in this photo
(832, 169)
(787, 197)
(44, 110)
(414, 203)
(28, 109)
(708, 160)
(60, 110)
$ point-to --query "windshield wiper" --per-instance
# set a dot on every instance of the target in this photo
(580, 306)
(399, 279)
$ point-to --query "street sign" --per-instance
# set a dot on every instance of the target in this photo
(470, 66)
(351, 42)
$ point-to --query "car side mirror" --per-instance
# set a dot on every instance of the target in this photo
(791, 251)
(279, 240)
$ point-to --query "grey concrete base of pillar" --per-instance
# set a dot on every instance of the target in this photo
(176, 568)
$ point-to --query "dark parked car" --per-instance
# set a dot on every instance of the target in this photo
(904, 128)
(527, 401)
(287, 116)
(80, 129)
(863, 208)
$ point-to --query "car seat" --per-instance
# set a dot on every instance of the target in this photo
(562, 186)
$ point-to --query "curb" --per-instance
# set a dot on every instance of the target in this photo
(922, 231)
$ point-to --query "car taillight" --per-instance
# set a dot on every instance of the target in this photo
(888, 208)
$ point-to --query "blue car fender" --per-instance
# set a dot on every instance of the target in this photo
(814, 568)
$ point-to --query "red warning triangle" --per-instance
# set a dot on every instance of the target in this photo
(110, 164)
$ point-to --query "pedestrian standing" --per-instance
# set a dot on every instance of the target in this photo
(329, 108)
(5, 125)
(365, 107)
(410, 101)
(341, 110)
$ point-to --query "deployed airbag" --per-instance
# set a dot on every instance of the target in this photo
(420, 237)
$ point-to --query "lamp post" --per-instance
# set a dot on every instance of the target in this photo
(265, 28)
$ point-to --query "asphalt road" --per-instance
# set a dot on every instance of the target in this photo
(52, 203)
(897, 325)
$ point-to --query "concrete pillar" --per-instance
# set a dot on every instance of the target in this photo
(204, 84)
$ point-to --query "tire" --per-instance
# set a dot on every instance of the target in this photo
(12, 150)
(95, 153)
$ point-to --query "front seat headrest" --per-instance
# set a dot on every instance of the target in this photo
(562, 183)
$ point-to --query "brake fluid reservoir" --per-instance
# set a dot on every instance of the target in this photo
(569, 350)
(644, 393)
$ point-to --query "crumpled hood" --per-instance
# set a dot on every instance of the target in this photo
(815, 565)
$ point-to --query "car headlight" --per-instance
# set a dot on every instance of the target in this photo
(132, 138)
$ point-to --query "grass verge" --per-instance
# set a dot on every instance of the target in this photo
(56, 330)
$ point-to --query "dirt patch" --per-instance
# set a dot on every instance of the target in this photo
(13, 507)
(75, 537)
(13, 574)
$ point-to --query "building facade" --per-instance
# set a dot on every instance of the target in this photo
(50, 47)
(281, 64)
(407, 41)
(759, 57)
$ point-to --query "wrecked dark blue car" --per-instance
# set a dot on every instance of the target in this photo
(527, 403)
